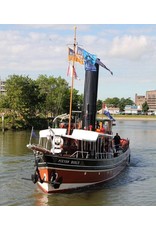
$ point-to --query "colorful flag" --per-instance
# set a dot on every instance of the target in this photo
(79, 55)
(86, 56)
(83, 57)
(71, 72)
(71, 55)
(106, 112)
(89, 59)
(101, 64)
(89, 66)
(75, 56)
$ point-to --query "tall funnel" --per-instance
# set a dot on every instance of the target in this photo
(90, 98)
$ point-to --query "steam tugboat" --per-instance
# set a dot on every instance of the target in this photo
(69, 158)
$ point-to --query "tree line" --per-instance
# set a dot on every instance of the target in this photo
(115, 102)
(46, 96)
(43, 97)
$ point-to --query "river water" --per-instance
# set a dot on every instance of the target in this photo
(135, 186)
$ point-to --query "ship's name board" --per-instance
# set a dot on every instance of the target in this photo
(72, 162)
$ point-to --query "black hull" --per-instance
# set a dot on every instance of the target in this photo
(59, 174)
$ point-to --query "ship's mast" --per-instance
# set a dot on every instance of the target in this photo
(72, 83)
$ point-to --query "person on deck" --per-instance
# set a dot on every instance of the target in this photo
(117, 142)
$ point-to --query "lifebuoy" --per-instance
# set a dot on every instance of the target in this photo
(57, 142)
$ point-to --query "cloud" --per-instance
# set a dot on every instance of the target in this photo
(37, 49)
(130, 47)
(31, 51)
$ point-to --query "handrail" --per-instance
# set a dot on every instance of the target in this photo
(76, 153)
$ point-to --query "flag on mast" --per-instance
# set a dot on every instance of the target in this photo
(75, 56)
(101, 64)
(84, 57)
(71, 55)
(71, 72)
(106, 112)
(90, 60)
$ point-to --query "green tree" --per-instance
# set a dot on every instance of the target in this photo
(112, 102)
(54, 92)
(22, 95)
(145, 107)
(99, 104)
(77, 101)
(123, 102)
(3, 102)
(80, 102)
(60, 95)
(118, 103)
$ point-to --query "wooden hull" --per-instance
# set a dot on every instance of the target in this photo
(59, 174)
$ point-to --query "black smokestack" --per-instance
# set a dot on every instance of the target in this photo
(90, 98)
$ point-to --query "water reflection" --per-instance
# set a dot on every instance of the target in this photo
(14, 143)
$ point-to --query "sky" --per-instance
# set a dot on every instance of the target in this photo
(38, 45)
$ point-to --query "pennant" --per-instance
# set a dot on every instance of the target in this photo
(106, 112)
(71, 72)
(34, 134)
(101, 64)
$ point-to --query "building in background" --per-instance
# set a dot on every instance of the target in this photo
(131, 109)
(139, 100)
(114, 110)
(151, 100)
(2, 87)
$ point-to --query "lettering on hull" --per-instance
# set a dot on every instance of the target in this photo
(72, 162)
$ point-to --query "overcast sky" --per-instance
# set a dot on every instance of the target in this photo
(129, 50)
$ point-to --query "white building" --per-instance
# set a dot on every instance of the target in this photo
(113, 110)
(131, 109)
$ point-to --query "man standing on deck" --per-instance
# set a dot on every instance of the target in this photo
(117, 141)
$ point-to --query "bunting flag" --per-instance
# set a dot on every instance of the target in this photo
(106, 112)
(71, 72)
(101, 64)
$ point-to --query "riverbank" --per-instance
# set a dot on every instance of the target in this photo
(136, 118)
(41, 123)
(19, 123)
(132, 117)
